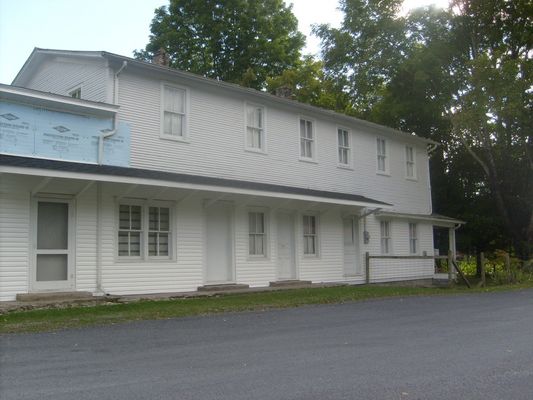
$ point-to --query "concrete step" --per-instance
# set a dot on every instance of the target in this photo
(54, 296)
(289, 283)
(222, 287)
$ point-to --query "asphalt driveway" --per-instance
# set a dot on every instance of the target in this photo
(476, 346)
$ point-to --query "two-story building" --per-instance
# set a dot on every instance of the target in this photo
(125, 177)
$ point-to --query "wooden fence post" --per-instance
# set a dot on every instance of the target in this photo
(367, 267)
(450, 267)
(508, 267)
(482, 258)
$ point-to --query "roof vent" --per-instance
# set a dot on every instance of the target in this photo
(161, 58)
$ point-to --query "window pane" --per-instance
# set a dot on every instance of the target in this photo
(152, 244)
(302, 147)
(52, 267)
(135, 217)
(123, 244)
(302, 128)
(164, 219)
(309, 126)
(174, 99)
(308, 149)
(259, 244)
(251, 222)
(52, 225)
(251, 244)
(260, 222)
(124, 217)
(135, 244)
(163, 244)
(259, 118)
(153, 219)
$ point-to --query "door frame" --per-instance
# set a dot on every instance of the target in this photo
(294, 216)
(70, 283)
(231, 212)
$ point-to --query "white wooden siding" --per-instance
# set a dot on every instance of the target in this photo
(14, 238)
(60, 75)
(215, 147)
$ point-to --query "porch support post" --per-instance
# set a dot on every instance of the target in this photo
(99, 220)
(451, 238)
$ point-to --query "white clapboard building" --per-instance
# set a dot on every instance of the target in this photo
(125, 177)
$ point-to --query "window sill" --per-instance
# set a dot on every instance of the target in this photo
(140, 260)
(344, 166)
(175, 138)
(256, 151)
(383, 173)
(411, 178)
(252, 258)
(308, 160)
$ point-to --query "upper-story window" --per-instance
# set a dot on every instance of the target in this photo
(343, 141)
(307, 139)
(413, 238)
(382, 161)
(75, 93)
(174, 112)
(255, 127)
(410, 164)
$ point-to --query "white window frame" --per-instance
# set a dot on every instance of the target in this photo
(312, 140)
(410, 163)
(386, 237)
(263, 141)
(265, 233)
(186, 107)
(145, 230)
(315, 235)
(159, 231)
(130, 203)
(347, 149)
(384, 154)
(413, 238)
(74, 90)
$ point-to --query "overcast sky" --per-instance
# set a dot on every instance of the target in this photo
(117, 26)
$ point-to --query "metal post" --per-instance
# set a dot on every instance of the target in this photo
(450, 267)
(367, 267)
(482, 258)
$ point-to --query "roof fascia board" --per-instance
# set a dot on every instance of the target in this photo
(179, 185)
(448, 222)
(56, 102)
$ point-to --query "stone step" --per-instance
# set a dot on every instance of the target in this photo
(54, 296)
(223, 287)
(289, 283)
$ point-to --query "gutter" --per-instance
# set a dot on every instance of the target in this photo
(106, 134)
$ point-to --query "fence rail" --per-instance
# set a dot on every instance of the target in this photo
(448, 257)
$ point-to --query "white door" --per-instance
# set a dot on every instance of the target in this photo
(219, 268)
(351, 247)
(52, 239)
(286, 254)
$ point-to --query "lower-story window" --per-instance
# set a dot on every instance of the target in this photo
(130, 230)
(256, 234)
(413, 238)
(310, 234)
(144, 230)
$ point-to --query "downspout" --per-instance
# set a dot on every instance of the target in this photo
(105, 135)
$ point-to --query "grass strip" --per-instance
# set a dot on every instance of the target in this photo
(44, 320)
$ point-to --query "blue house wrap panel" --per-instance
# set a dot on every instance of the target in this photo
(39, 132)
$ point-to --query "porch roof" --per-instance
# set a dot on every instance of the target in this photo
(435, 219)
(108, 173)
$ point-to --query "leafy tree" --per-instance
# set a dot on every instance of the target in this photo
(240, 41)
(462, 77)
(308, 84)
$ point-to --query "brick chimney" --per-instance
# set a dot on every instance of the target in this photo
(161, 58)
(284, 92)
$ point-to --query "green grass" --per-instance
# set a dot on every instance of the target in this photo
(43, 320)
